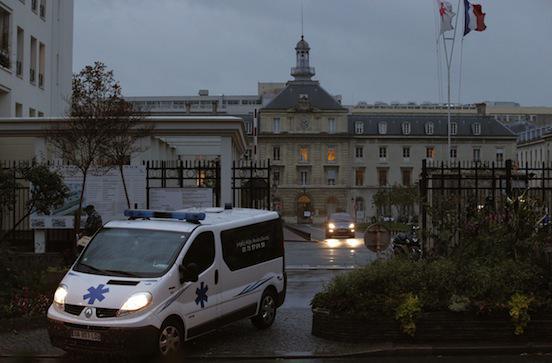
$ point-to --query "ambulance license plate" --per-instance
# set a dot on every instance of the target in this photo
(86, 335)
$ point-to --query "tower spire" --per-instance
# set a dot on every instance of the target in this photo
(302, 19)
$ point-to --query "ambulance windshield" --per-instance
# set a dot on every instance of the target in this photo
(131, 252)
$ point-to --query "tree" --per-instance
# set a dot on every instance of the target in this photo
(47, 191)
(99, 118)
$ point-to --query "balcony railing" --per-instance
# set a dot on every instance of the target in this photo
(19, 68)
(32, 75)
(41, 80)
(42, 11)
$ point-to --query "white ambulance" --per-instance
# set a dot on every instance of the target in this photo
(149, 283)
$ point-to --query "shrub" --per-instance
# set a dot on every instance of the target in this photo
(519, 311)
(408, 312)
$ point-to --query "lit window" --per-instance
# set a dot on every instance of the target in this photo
(359, 127)
(331, 153)
(430, 152)
(276, 125)
(383, 152)
(382, 128)
(331, 126)
(303, 153)
(429, 128)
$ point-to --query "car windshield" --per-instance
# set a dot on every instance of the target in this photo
(131, 252)
(340, 217)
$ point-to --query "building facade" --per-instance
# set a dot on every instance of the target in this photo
(36, 57)
(327, 157)
(36, 64)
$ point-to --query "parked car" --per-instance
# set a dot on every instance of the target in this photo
(340, 224)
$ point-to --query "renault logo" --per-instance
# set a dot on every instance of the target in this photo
(88, 313)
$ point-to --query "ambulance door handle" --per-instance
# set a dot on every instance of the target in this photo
(216, 277)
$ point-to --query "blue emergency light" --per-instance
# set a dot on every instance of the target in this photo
(146, 213)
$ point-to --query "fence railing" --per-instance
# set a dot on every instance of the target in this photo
(479, 184)
(251, 184)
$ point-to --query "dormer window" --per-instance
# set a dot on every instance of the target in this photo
(429, 128)
(405, 128)
(359, 127)
(382, 128)
(453, 128)
(476, 128)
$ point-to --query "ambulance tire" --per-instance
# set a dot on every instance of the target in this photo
(171, 338)
(267, 310)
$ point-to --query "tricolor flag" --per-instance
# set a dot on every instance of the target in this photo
(446, 13)
(474, 18)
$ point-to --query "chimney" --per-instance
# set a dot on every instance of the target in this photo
(215, 106)
(481, 108)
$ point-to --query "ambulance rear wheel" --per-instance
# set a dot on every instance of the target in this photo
(171, 338)
(267, 310)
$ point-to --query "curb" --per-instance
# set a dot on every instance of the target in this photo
(320, 267)
(388, 351)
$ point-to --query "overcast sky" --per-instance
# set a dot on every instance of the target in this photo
(365, 50)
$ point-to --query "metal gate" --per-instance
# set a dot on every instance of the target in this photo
(182, 174)
(251, 184)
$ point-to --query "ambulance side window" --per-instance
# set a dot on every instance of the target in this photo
(253, 244)
(202, 251)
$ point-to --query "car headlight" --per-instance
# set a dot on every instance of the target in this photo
(60, 295)
(136, 302)
(352, 225)
(331, 226)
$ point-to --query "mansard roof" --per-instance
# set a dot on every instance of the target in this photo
(489, 126)
(294, 94)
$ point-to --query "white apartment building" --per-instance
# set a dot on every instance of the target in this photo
(36, 57)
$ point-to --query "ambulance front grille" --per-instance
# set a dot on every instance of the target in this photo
(73, 309)
(106, 313)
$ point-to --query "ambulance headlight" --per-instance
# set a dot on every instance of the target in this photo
(331, 226)
(351, 226)
(60, 295)
(136, 302)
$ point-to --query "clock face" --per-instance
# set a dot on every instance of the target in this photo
(305, 124)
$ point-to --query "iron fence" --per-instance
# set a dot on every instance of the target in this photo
(465, 185)
(251, 184)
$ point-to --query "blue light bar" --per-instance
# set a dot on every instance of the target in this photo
(145, 213)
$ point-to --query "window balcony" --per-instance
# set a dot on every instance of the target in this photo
(32, 77)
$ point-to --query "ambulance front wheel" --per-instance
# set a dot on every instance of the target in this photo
(171, 338)
(267, 310)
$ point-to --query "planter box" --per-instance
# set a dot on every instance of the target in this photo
(430, 327)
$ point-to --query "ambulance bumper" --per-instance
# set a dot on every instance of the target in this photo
(103, 339)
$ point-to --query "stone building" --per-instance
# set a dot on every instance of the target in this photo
(304, 132)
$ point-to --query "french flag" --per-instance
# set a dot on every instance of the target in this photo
(474, 18)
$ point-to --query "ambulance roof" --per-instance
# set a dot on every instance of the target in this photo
(213, 216)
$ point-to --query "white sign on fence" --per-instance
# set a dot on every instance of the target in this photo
(104, 190)
(180, 198)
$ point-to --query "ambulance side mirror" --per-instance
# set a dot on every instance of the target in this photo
(188, 273)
